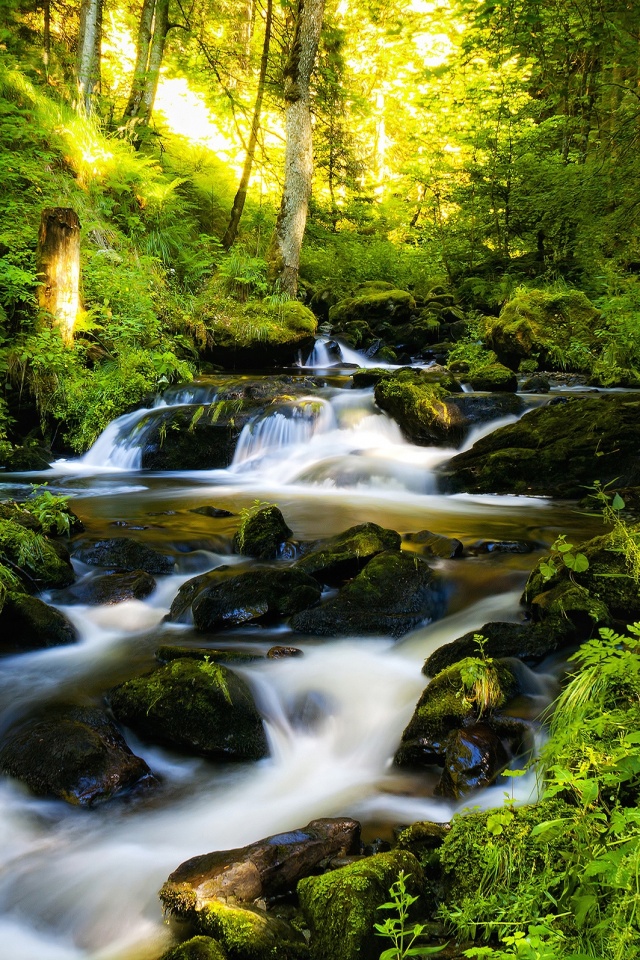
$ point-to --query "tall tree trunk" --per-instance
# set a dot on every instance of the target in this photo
(156, 53)
(46, 35)
(292, 218)
(58, 263)
(88, 59)
(239, 200)
(142, 60)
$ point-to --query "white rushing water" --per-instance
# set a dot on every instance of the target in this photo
(82, 884)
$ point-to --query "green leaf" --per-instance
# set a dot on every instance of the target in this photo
(617, 502)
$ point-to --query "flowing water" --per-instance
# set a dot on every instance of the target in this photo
(80, 884)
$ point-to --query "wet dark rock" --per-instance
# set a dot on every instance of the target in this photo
(112, 588)
(255, 336)
(264, 869)
(341, 906)
(71, 752)
(474, 756)
(198, 706)
(421, 839)
(502, 546)
(168, 652)
(282, 653)
(538, 383)
(197, 948)
(393, 594)
(27, 459)
(337, 559)
(227, 598)
(494, 378)
(174, 442)
(27, 623)
(434, 544)
(124, 555)
(526, 641)
(446, 705)
(39, 562)
(483, 408)
(554, 451)
(250, 932)
(373, 306)
(421, 409)
(214, 512)
(262, 533)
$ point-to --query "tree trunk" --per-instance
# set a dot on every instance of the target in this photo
(46, 36)
(142, 60)
(292, 218)
(238, 203)
(58, 263)
(156, 53)
(88, 59)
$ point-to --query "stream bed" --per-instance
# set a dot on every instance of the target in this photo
(81, 884)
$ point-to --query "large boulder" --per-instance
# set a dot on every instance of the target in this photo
(373, 306)
(526, 641)
(111, 588)
(557, 329)
(228, 598)
(253, 335)
(422, 409)
(40, 563)
(267, 868)
(262, 533)
(124, 554)
(72, 752)
(339, 558)
(494, 378)
(394, 593)
(247, 932)
(198, 706)
(557, 450)
(27, 623)
(341, 906)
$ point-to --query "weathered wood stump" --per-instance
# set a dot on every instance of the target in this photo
(58, 263)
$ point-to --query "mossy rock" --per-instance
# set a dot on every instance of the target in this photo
(545, 325)
(262, 532)
(112, 588)
(339, 558)
(75, 753)
(254, 335)
(419, 405)
(200, 707)
(194, 437)
(494, 378)
(423, 839)
(167, 652)
(10, 510)
(27, 623)
(528, 642)
(392, 306)
(341, 906)
(197, 948)
(247, 933)
(124, 555)
(447, 704)
(40, 563)
(606, 591)
(555, 450)
(393, 594)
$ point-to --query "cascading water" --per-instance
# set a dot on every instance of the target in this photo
(82, 885)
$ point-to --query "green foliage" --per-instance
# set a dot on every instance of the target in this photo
(626, 537)
(563, 553)
(51, 511)
(398, 929)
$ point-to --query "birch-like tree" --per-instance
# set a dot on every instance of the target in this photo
(88, 56)
(152, 35)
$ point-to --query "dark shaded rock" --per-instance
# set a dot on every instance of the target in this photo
(10, 510)
(535, 384)
(434, 544)
(526, 641)
(123, 554)
(75, 753)
(422, 839)
(394, 593)
(112, 588)
(341, 906)
(27, 623)
(199, 706)
(449, 703)
(197, 948)
(340, 558)
(226, 598)
(478, 408)
(214, 512)
(168, 652)
(502, 546)
(39, 562)
(282, 653)
(474, 757)
(494, 378)
(554, 451)
(27, 459)
(262, 533)
(264, 869)
(423, 412)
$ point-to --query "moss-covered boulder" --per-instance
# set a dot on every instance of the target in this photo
(197, 948)
(341, 906)
(421, 407)
(374, 306)
(249, 933)
(337, 559)
(198, 706)
(226, 598)
(557, 450)
(470, 690)
(606, 591)
(40, 563)
(422, 839)
(558, 329)
(433, 544)
(27, 623)
(393, 594)
(75, 753)
(262, 532)
(493, 378)
(528, 642)
(124, 555)
(254, 335)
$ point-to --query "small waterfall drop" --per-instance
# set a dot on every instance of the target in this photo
(329, 352)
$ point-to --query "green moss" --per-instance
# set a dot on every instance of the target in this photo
(250, 934)
(32, 557)
(261, 532)
(494, 377)
(341, 906)
(418, 404)
(341, 557)
(393, 305)
(197, 948)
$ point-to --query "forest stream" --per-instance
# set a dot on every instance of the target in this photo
(80, 883)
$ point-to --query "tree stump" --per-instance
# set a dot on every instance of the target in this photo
(58, 263)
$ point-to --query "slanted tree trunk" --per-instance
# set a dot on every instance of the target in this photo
(152, 35)
(46, 35)
(58, 263)
(142, 60)
(156, 53)
(239, 200)
(292, 218)
(88, 58)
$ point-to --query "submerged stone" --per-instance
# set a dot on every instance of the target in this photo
(75, 753)
(394, 593)
(198, 706)
(434, 544)
(112, 588)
